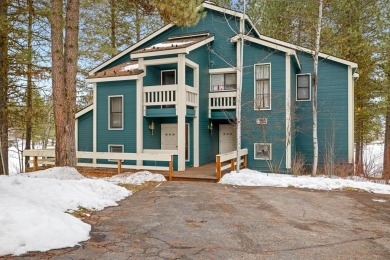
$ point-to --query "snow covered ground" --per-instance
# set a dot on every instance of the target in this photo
(248, 177)
(373, 159)
(33, 206)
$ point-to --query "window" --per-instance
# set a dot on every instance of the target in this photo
(263, 151)
(115, 149)
(223, 82)
(116, 112)
(303, 87)
(168, 77)
(263, 86)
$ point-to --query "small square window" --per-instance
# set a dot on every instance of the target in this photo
(168, 77)
(263, 151)
(115, 149)
(223, 82)
(303, 87)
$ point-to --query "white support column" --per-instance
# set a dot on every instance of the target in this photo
(196, 119)
(181, 112)
(140, 113)
(351, 122)
(195, 67)
(288, 111)
(94, 132)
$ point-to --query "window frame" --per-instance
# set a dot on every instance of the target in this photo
(109, 113)
(224, 80)
(296, 87)
(117, 145)
(262, 159)
(254, 86)
(161, 77)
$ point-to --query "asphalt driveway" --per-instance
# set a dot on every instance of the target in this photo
(179, 220)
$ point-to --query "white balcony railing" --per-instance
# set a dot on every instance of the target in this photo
(222, 100)
(167, 95)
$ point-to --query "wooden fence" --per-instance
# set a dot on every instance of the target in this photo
(48, 156)
(222, 159)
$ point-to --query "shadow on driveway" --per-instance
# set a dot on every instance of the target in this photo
(181, 220)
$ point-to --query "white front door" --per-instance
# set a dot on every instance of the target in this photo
(227, 138)
(168, 136)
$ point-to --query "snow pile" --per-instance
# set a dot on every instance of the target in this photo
(130, 67)
(248, 177)
(137, 178)
(168, 44)
(32, 209)
(59, 173)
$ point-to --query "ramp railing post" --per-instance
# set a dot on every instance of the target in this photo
(171, 169)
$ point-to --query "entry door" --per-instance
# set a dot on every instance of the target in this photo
(168, 136)
(227, 138)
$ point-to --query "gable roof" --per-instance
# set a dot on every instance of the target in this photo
(212, 6)
(175, 45)
(124, 69)
(299, 48)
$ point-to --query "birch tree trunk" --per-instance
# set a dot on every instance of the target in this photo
(315, 87)
(64, 70)
(4, 63)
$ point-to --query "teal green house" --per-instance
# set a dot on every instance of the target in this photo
(175, 92)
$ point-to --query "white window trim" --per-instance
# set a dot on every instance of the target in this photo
(270, 151)
(109, 113)
(223, 73)
(254, 87)
(296, 88)
(161, 76)
(109, 150)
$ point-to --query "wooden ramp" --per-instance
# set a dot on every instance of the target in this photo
(204, 173)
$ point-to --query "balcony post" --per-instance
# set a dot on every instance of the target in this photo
(181, 111)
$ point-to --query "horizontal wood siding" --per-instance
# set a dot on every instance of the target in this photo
(294, 71)
(85, 134)
(274, 131)
(332, 110)
(208, 144)
(127, 136)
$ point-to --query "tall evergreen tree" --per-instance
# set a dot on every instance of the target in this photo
(4, 29)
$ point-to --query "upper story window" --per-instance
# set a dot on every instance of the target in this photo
(303, 87)
(263, 86)
(115, 114)
(223, 82)
(168, 77)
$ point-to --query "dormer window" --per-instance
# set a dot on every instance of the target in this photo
(224, 82)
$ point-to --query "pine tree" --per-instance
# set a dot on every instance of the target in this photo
(4, 5)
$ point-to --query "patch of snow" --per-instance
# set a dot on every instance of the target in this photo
(32, 210)
(248, 177)
(164, 45)
(137, 178)
(379, 200)
(59, 173)
(130, 67)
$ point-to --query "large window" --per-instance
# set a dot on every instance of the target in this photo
(168, 77)
(263, 151)
(115, 112)
(114, 148)
(303, 87)
(263, 86)
(223, 82)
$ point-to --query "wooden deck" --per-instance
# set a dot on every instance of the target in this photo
(204, 173)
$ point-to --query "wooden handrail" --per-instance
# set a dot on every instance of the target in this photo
(221, 158)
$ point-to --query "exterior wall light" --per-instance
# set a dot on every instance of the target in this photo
(210, 127)
(151, 127)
